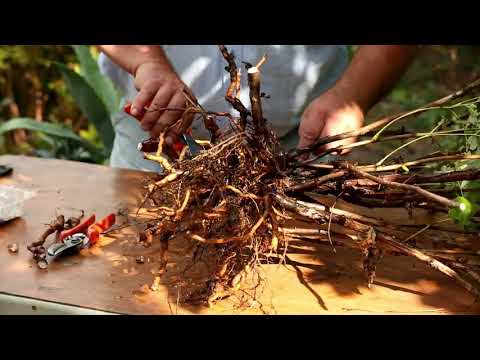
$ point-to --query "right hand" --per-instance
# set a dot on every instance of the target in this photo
(160, 86)
(331, 114)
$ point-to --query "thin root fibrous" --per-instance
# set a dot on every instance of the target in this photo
(230, 202)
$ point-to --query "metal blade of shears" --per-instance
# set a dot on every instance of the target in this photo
(72, 243)
(192, 145)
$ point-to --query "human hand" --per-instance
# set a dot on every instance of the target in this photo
(330, 114)
(160, 86)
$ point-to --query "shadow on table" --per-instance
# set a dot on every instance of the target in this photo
(318, 265)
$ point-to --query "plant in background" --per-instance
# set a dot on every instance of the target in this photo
(96, 98)
(455, 129)
(465, 213)
(94, 93)
(467, 119)
(60, 141)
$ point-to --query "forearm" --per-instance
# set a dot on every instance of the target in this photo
(373, 72)
(130, 57)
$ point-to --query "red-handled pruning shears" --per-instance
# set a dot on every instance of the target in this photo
(186, 139)
(81, 236)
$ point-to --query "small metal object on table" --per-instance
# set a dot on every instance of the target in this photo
(5, 170)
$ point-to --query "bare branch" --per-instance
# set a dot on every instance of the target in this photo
(428, 195)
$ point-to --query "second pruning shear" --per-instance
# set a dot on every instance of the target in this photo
(79, 237)
(185, 139)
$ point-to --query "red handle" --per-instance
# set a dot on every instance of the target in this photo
(128, 110)
(178, 146)
(95, 230)
(80, 228)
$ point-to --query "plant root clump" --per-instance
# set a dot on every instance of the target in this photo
(218, 216)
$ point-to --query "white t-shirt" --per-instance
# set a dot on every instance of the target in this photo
(293, 76)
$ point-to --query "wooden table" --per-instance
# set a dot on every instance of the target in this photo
(106, 278)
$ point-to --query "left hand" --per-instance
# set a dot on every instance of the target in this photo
(330, 114)
(372, 72)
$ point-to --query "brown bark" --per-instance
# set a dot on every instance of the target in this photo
(426, 194)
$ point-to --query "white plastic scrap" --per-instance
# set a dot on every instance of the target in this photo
(12, 200)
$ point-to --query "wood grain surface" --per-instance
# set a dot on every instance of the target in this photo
(107, 277)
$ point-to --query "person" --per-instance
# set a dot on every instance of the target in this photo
(314, 90)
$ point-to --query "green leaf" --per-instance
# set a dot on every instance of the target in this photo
(472, 196)
(90, 104)
(31, 124)
(47, 128)
(102, 85)
(90, 134)
(472, 143)
(44, 153)
(472, 120)
(465, 212)
(399, 95)
(42, 137)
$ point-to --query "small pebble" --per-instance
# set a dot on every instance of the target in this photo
(42, 264)
(140, 259)
(144, 290)
(13, 248)
(156, 283)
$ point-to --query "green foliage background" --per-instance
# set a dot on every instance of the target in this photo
(59, 102)
(32, 86)
(54, 103)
